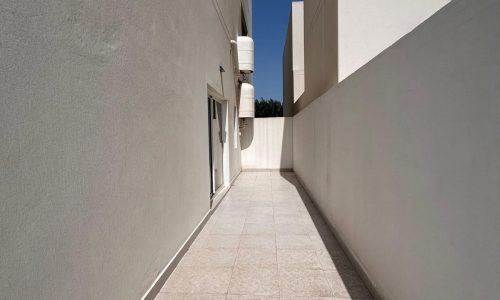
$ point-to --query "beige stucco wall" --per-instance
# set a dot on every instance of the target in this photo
(267, 144)
(402, 158)
(104, 153)
(343, 35)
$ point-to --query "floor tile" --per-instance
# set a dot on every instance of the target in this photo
(302, 259)
(328, 244)
(325, 260)
(209, 258)
(263, 210)
(262, 187)
(252, 228)
(292, 229)
(259, 241)
(342, 263)
(304, 283)
(310, 298)
(262, 196)
(196, 280)
(289, 219)
(267, 203)
(286, 204)
(217, 241)
(265, 241)
(169, 296)
(251, 297)
(225, 206)
(257, 257)
(347, 284)
(227, 228)
(254, 280)
(293, 241)
(286, 210)
(227, 219)
(259, 219)
(320, 229)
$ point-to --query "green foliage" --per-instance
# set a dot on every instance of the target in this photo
(268, 108)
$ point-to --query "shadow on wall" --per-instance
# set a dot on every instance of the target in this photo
(286, 158)
(266, 144)
(321, 52)
(246, 133)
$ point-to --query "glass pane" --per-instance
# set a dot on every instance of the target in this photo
(217, 145)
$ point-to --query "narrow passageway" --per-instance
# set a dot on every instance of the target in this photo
(266, 240)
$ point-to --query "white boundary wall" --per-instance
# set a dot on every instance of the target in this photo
(403, 158)
(266, 143)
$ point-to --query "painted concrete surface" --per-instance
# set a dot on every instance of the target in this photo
(402, 158)
(367, 27)
(266, 240)
(103, 126)
(266, 143)
(343, 35)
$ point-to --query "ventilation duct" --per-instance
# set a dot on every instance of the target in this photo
(247, 101)
(245, 54)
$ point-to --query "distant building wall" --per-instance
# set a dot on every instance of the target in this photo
(343, 35)
(403, 158)
(104, 140)
(267, 144)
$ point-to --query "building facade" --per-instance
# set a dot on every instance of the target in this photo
(112, 113)
(120, 133)
(341, 36)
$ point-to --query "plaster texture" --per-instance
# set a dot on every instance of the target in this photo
(304, 263)
(267, 144)
(402, 158)
(103, 126)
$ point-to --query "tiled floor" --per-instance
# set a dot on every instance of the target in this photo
(265, 241)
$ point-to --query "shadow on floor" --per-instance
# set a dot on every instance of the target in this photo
(347, 283)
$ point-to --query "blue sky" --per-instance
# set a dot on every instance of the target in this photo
(270, 22)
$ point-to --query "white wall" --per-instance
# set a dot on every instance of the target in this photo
(367, 27)
(266, 143)
(104, 141)
(403, 158)
(293, 59)
(298, 49)
(343, 35)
